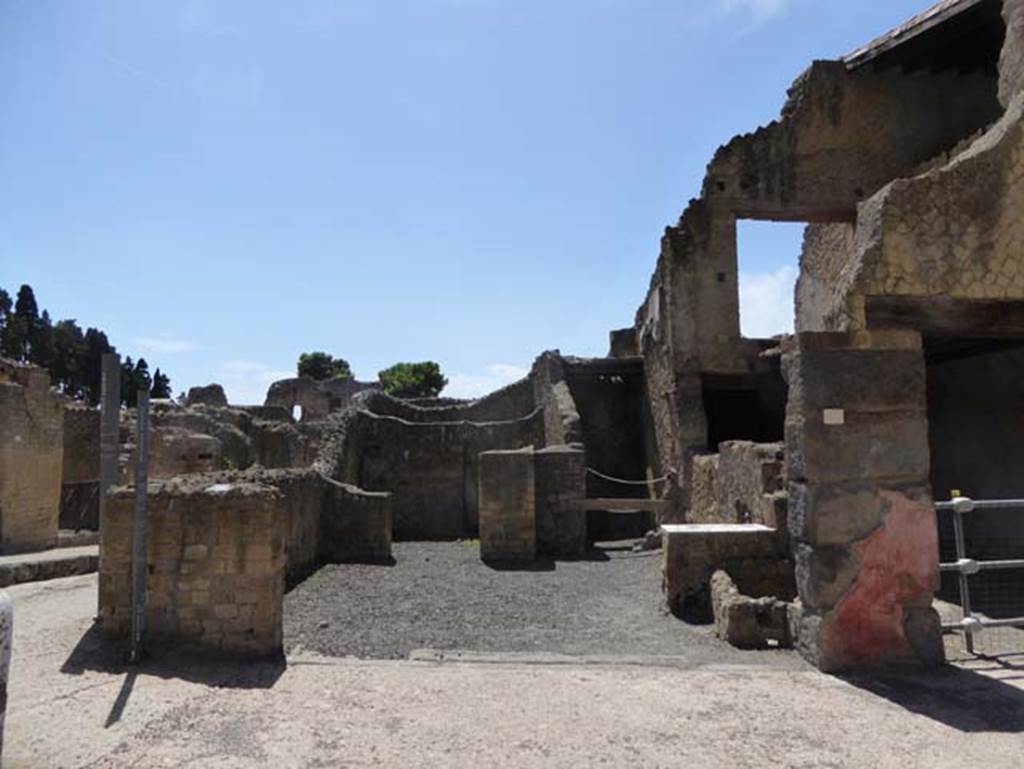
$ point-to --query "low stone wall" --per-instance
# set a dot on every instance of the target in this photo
(747, 622)
(31, 458)
(177, 451)
(508, 529)
(355, 525)
(216, 561)
(755, 556)
(326, 521)
(744, 483)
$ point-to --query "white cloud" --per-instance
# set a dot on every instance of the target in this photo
(766, 302)
(165, 344)
(246, 381)
(496, 376)
(758, 10)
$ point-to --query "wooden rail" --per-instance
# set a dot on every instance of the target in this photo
(620, 505)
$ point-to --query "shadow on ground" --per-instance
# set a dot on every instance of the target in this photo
(966, 700)
(94, 652)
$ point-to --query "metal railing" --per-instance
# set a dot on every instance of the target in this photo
(965, 566)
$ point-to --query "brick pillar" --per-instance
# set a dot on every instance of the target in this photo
(508, 529)
(861, 517)
(559, 485)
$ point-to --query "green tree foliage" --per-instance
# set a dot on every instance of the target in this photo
(68, 361)
(161, 385)
(74, 359)
(413, 380)
(321, 366)
(96, 346)
(134, 377)
(8, 334)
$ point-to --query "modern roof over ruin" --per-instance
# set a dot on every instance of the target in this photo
(926, 21)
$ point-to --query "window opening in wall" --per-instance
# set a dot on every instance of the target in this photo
(297, 412)
(769, 255)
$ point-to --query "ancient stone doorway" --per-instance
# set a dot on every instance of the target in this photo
(975, 392)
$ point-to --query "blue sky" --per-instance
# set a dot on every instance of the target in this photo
(223, 184)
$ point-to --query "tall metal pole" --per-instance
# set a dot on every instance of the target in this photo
(141, 538)
(110, 414)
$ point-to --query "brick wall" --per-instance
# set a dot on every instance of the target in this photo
(216, 563)
(31, 458)
(508, 529)
(355, 525)
(559, 483)
(744, 483)
(430, 468)
(81, 444)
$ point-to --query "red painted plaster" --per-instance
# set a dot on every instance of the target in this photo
(900, 567)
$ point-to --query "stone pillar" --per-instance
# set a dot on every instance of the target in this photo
(508, 528)
(559, 485)
(861, 517)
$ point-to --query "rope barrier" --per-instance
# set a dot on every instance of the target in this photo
(624, 482)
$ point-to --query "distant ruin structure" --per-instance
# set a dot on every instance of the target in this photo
(31, 457)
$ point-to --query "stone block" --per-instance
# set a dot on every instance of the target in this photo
(866, 445)
(747, 622)
(693, 552)
(840, 513)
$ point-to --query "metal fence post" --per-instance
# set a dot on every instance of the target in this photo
(965, 589)
(141, 537)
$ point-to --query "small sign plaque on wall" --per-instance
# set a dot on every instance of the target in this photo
(834, 416)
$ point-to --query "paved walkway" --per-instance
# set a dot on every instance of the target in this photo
(72, 704)
(48, 564)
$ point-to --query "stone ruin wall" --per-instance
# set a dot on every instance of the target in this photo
(31, 458)
(529, 504)
(79, 503)
(217, 559)
(844, 133)
(430, 467)
(223, 547)
(744, 483)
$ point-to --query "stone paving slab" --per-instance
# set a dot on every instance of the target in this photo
(48, 564)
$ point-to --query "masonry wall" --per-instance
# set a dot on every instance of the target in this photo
(31, 458)
(552, 395)
(355, 525)
(217, 556)
(79, 497)
(559, 479)
(513, 401)
(861, 517)
(744, 483)
(508, 529)
(430, 468)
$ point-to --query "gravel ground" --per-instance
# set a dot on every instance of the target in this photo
(440, 595)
